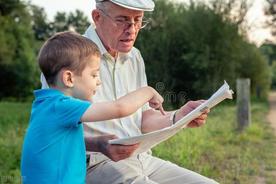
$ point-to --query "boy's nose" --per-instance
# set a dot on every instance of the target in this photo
(99, 82)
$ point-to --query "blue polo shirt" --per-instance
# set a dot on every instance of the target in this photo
(54, 148)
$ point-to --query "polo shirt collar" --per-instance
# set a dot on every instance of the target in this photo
(45, 93)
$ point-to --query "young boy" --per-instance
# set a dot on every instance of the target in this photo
(70, 64)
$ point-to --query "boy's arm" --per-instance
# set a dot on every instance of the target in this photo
(124, 106)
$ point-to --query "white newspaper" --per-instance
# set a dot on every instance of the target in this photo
(151, 139)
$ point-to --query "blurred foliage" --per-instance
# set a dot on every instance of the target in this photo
(269, 51)
(17, 59)
(270, 11)
(43, 28)
(191, 48)
(194, 48)
(24, 27)
(273, 70)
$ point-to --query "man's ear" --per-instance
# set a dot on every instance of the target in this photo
(95, 16)
(68, 78)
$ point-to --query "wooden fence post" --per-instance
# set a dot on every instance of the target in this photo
(243, 103)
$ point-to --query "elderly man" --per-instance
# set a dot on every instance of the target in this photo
(117, 24)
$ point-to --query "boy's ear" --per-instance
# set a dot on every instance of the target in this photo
(68, 78)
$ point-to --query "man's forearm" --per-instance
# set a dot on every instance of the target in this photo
(153, 120)
(114, 152)
(92, 144)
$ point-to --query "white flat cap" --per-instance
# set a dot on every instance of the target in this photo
(141, 5)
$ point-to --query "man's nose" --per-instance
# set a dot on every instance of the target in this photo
(131, 27)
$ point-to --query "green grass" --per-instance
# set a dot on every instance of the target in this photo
(219, 151)
(216, 150)
(13, 122)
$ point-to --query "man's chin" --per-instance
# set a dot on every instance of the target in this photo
(125, 49)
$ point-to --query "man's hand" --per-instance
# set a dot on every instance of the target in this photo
(114, 152)
(188, 107)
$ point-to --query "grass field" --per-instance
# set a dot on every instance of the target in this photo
(13, 122)
(216, 150)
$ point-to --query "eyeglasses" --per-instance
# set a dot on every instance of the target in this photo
(125, 24)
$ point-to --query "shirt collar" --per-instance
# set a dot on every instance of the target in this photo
(45, 93)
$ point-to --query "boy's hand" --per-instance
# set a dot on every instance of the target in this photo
(156, 102)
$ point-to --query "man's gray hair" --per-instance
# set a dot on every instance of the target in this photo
(100, 4)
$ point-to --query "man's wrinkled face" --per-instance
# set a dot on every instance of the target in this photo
(117, 27)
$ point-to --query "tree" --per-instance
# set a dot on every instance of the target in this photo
(75, 21)
(41, 26)
(273, 71)
(253, 65)
(234, 10)
(24, 27)
(270, 11)
(60, 22)
(269, 52)
(17, 57)
(192, 48)
(78, 21)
